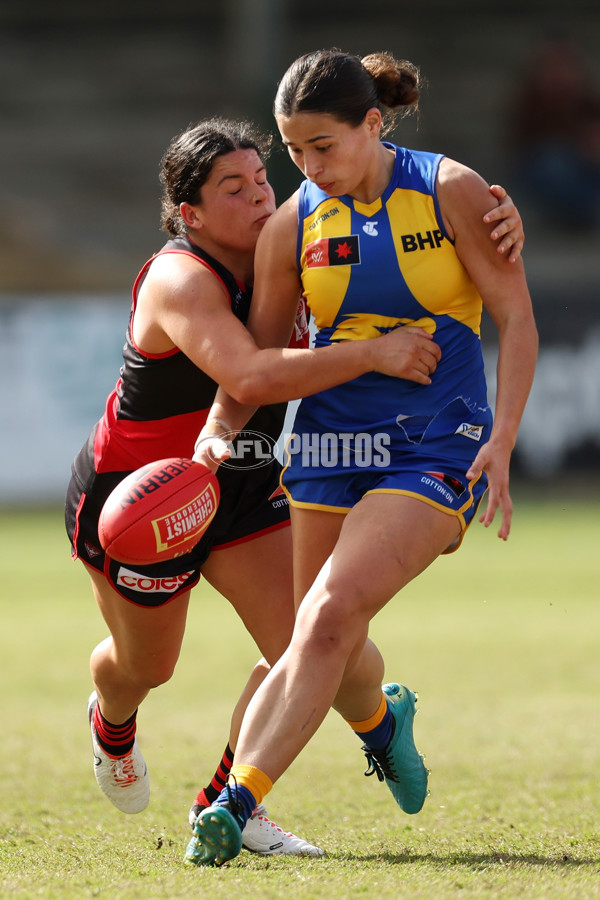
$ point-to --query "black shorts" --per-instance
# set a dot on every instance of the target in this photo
(252, 503)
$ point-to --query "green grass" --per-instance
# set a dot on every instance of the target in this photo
(501, 642)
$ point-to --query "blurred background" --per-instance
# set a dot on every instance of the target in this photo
(91, 94)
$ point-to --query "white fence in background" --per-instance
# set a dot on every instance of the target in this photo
(60, 357)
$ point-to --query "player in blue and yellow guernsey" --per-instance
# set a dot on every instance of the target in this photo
(368, 269)
(386, 468)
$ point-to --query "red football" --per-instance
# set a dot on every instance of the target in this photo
(158, 512)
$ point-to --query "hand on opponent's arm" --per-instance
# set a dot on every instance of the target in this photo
(510, 225)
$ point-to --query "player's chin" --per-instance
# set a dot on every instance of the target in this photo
(328, 188)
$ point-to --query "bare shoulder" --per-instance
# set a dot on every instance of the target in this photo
(464, 198)
(277, 285)
(279, 233)
(175, 291)
(177, 279)
(175, 271)
(453, 175)
(289, 208)
(462, 192)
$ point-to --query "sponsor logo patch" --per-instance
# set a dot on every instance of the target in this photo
(473, 432)
(436, 486)
(430, 240)
(323, 217)
(146, 584)
(338, 251)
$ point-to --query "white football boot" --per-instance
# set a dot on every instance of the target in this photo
(263, 836)
(124, 779)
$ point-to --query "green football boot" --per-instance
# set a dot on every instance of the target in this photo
(217, 838)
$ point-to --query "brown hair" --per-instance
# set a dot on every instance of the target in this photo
(330, 81)
(189, 158)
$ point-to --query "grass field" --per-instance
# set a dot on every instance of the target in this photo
(500, 640)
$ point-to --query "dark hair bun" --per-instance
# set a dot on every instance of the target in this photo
(397, 81)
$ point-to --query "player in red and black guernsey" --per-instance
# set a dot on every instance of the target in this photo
(161, 400)
(157, 408)
(187, 335)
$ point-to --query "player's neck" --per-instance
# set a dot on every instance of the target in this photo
(239, 262)
(377, 176)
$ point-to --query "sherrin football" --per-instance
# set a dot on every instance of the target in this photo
(158, 512)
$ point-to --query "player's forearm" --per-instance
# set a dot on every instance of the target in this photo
(515, 371)
(226, 416)
(275, 375)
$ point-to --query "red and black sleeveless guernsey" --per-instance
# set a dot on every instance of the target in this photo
(159, 404)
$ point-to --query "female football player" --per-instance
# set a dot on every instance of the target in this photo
(384, 473)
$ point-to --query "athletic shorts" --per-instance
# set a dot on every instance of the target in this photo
(422, 457)
(252, 503)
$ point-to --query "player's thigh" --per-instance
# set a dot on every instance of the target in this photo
(142, 635)
(385, 541)
(314, 535)
(256, 577)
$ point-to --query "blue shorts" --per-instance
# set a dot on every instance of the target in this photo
(421, 457)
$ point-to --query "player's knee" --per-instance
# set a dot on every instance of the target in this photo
(148, 672)
(329, 624)
(156, 672)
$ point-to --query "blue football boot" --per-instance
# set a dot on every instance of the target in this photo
(400, 764)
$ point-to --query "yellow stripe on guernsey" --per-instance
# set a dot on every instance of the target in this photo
(364, 326)
(443, 285)
(330, 219)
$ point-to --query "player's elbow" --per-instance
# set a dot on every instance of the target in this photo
(258, 380)
(255, 389)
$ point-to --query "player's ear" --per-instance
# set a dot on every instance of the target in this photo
(191, 215)
(373, 121)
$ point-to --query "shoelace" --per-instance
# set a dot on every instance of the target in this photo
(123, 771)
(270, 824)
(235, 807)
(378, 764)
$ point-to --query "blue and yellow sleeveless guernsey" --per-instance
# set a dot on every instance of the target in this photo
(367, 269)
